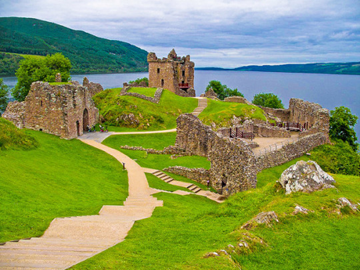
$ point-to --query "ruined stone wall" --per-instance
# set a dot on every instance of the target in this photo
(15, 112)
(62, 110)
(199, 175)
(232, 165)
(290, 151)
(169, 72)
(155, 99)
(282, 114)
(261, 130)
(238, 99)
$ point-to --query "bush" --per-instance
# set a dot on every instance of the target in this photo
(139, 80)
(222, 91)
(339, 158)
(13, 138)
(269, 100)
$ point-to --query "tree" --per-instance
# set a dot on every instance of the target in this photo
(269, 100)
(139, 80)
(34, 69)
(4, 92)
(342, 124)
(222, 91)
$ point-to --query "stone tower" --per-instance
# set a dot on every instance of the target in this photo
(173, 73)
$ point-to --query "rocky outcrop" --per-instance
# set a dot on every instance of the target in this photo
(305, 176)
(345, 202)
(262, 218)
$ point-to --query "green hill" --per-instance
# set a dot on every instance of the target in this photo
(87, 53)
(352, 68)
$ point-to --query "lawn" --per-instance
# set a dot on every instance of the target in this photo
(180, 233)
(146, 91)
(115, 110)
(58, 178)
(157, 141)
(221, 112)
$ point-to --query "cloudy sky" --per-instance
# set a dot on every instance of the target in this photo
(222, 33)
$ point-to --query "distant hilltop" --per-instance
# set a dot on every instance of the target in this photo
(352, 68)
(21, 37)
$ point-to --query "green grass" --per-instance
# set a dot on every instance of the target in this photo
(221, 113)
(151, 160)
(155, 182)
(146, 91)
(147, 115)
(59, 83)
(156, 141)
(13, 138)
(181, 232)
(59, 178)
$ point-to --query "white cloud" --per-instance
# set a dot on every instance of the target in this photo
(225, 33)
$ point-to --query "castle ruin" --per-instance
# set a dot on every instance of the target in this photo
(173, 73)
(64, 110)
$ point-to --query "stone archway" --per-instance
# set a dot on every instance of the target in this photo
(85, 119)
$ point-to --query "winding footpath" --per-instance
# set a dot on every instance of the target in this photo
(69, 241)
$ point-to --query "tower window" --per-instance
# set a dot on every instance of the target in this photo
(158, 70)
(183, 73)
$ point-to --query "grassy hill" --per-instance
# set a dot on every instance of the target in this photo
(352, 68)
(87, 53)
(131, 113)
(186, 228)
(35, 188)
(221, 113)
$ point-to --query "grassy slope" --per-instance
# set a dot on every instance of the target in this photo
(151, 116)
(13, 138)
(87, 53)
(59, 178)
(221, 112)
(179, 234)
(149, 92)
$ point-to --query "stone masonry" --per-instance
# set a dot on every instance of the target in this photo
(234, 165)
(173, 73)
(63, 110)
(310, 115)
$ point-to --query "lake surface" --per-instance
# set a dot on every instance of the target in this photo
(328, 90)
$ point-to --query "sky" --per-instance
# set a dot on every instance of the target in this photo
(216, 33)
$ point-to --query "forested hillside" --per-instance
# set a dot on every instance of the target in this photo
(87, 53)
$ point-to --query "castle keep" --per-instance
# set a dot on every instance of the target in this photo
(173, 73)
(63, 110)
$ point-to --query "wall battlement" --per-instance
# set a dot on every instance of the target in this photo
(173, 73)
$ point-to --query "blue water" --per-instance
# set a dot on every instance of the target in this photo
(328, 90)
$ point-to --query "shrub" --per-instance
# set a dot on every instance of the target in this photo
(13, 138)
(222, 91)
(269, 100)
(339, 158)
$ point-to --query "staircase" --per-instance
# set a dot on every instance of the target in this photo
(169, 179)
(202, 104)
